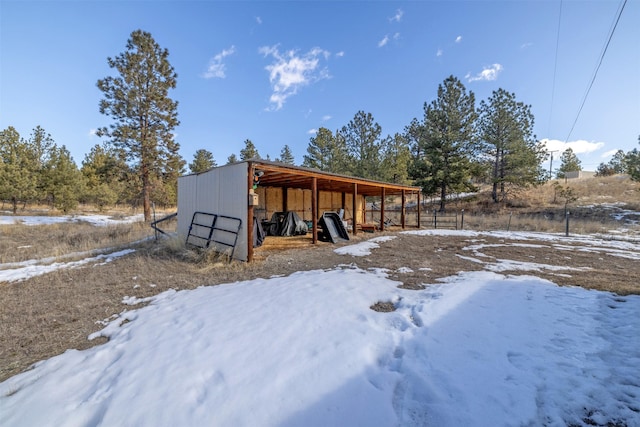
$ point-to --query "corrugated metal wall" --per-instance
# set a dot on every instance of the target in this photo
(220, 191)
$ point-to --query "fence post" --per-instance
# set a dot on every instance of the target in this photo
(435, 219)
(566, 232)
(509, 224)
(153, 206)
(462, 220)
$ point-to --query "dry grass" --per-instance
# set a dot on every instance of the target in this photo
(24, 242)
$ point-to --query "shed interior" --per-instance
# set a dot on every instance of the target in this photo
(282, 188)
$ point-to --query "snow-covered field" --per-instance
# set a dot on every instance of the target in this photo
(477, 349)
(98, 220)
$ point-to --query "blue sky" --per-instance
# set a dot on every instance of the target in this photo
(274, 72)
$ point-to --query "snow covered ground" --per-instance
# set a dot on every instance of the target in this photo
(99, 220)
(476, 349)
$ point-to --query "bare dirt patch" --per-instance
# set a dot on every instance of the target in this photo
(46, 315)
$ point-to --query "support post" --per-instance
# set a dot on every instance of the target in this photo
(418, 206)
(402, 210)
(354, 221)
(251, 171)
(314, 209)
(382, 209)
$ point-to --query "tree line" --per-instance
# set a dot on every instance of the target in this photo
(454, 146)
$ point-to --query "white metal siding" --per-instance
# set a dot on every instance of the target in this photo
(220, 191)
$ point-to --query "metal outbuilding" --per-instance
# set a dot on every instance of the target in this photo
(235, 195)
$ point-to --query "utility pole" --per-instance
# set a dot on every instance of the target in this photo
(551, 162)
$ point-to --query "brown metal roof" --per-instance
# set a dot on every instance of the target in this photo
(288, 176)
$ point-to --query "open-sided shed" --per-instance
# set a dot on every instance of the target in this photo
(233, 195)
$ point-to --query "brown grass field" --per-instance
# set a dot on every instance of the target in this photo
(43, 316)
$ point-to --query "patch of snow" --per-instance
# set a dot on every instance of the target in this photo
(32, 268)
(97, 220)
(363, 248)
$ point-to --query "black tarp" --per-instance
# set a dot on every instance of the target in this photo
(286, 224)
(258, 233)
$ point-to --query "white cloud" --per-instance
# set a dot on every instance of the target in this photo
(326, 118)
(291, 71)
(384, 41)
(609, 153)
(312, 131)
(439, 52)
(396, 36)
(216, 67)
(458, 39)
(397, 17)
(258, 20)
(579, 146)
(526, 45)
(487, 74)
(340, 54)
(92, 132)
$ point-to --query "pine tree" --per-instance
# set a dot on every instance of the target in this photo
(249, 151)
(445, 142)
(18, 182)
(64, 183)
(144, 115)
(106, 176)
(396, 159)
(632, 163)
(617, 162)
(202, 161)
(569, 162)
(41, 146)
(286, 156)
(506, 133)
(173, 168)
(362, 139)
(326, 152)
(232, 159)
(617, 165)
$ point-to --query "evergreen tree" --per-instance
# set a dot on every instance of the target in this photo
(506, 133)
(144, 115)
(18, 183)
(326, 152)
(632, 163)
(41, 146)
(396, 158)
(445, 142)
(173, 168)
(286, 156)
(106, 176)
(232, 159)
(617, 162)
(249, 151)
(616, 165)
(202, 161)
(64, 183)
(362, 139)
(569, 162)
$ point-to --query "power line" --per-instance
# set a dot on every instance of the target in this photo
(595, 73)
(555, 69)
